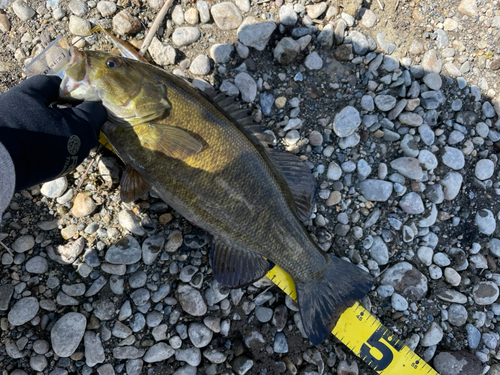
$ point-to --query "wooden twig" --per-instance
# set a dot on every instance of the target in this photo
(154, 28)
(380, 5)
(84, 175)
(6, 248)
(396, 7)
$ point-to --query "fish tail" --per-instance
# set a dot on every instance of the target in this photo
(328, 294)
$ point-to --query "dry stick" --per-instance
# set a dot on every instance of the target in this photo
(6, 248)
(154, 28)
(84, 175)
(380, 5)
(396, 7)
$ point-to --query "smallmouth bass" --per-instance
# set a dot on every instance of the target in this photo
(198, 155)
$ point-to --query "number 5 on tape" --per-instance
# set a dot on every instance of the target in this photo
(366, 337)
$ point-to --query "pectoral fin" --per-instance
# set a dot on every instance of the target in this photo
(170, 140)
(236, 268)
(132, 185)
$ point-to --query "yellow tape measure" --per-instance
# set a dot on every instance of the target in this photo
(361, 332)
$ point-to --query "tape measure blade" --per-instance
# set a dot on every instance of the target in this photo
(361, 332)
(104, 141)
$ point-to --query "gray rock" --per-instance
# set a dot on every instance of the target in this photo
(129, 221)
(106, 8)
(254, 33)
(134, 366)
(23, 311)
(178, 15)
(369, 17)
(192, 356)
(199, 334)
(485, 293)
(226, 16)
(203, 10)
(6, 292)
(67, 333)
(221, 53)
(54, 188)
(214, 356)
(455, 363)
(38, 362)
(23, 243)
(124, 23)
(484, 169)
(398, 302)
(184, 36)
(313, 61)
(247, 86)
(376, 190)
(78, 7)
(406, 280)
(200, 65)
(452, 182)
(94, 351)
(385, 102)
(37, 265)
(431, 63)
(412, 204)
(367, 103)
(389, 63)
(433, 81)
(241, 365)
(125, 251)
(163, 54)
(22, 10)
(485, 221)
(287, 15)
(379, 251)
(286, 51)
(158, 352)
(457, 315)
(325, 37)
(346, 121)
(473, 336)
(140, 296)
(453, 158)
(280, 344)
(127, 352)
(359, 42)
(408, 167)
(494, 249)
(191, 300)
(185, 370)
(433, 336)
(151, 247)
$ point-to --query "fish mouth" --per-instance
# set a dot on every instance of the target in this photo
(76, 82)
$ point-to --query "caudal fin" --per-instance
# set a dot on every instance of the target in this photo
(325, 298)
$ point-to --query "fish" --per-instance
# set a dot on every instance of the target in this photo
(202, 155)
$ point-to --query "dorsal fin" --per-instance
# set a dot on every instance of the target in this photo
(299, 179)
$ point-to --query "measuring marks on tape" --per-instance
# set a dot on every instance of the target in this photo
(361, 332)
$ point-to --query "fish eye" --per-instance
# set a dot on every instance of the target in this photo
(112, 63)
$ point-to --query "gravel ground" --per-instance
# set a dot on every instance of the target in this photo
(395, 110)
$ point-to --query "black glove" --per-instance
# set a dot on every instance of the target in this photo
(46, 142)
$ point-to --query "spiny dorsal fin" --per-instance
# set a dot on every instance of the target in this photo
(132, 185)
(299, 179)
(236, 268)
(231, 107)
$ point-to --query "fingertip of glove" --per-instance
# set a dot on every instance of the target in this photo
(42, 87)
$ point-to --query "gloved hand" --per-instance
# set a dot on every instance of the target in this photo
(44, 142)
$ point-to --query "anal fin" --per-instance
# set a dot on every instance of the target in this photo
(236, 268)
(132, 185)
